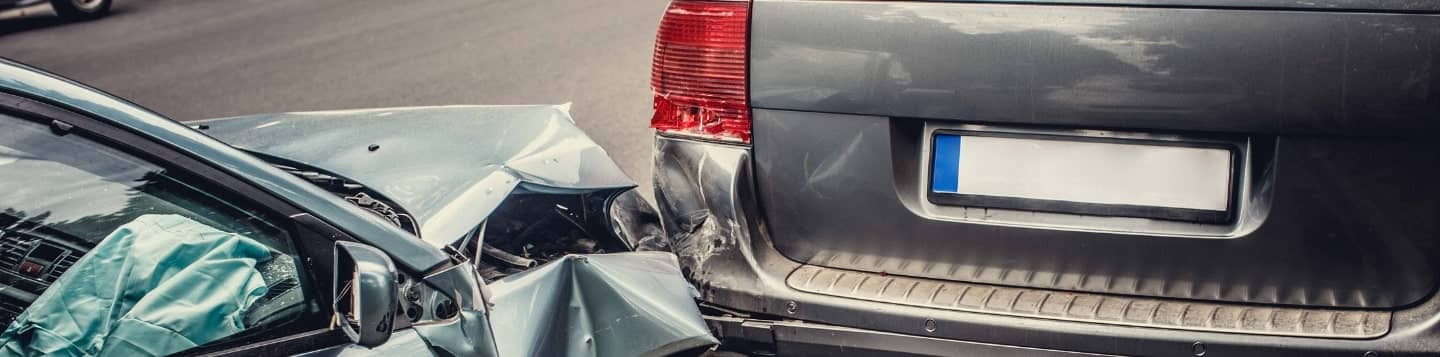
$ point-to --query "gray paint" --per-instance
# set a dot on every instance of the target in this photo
(373, 291)
(1323, 222)
(624, 304)
(799, 338)
(709, 206)
(1236, 71)
(1092, 308)
(620, 304)
(449, 166)
(469, 333)
(1337, 205)
(1316, 5)
(535, 148)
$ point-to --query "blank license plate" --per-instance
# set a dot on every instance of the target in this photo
(1109, 178)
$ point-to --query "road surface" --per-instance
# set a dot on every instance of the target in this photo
(196, 59)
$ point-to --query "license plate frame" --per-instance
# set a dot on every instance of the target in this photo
(1234, 148)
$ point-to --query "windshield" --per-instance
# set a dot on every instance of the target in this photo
(85, 190)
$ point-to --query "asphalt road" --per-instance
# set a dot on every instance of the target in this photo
(196, 59)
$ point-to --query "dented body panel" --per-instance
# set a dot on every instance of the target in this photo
(826, 215)
(1425, 6)
(1334, 113)
(708, 203)
(449, 166)
(625, 304)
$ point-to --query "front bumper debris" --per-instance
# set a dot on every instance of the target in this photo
(503, 189)
(624, 304)
(620, 304)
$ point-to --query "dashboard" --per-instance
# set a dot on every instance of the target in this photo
(30, 260)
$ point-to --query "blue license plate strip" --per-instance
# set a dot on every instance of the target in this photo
(945, 180)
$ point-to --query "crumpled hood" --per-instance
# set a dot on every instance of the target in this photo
(449, 166)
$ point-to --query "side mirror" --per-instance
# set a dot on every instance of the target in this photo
(366, 293)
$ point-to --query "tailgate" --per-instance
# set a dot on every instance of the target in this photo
(1326, 109)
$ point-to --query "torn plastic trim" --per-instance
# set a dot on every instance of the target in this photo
(350, 191)
(468, 332)
(636, 222)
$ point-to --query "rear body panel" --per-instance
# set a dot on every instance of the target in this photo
(707, 199)
(1229, 71)
(1326, 5)
(1333, 112)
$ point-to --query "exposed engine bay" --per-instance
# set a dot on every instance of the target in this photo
(534, 229)
(420, 303)
(527, 230)
(546, 241)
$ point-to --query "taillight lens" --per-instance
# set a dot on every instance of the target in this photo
(698, 74)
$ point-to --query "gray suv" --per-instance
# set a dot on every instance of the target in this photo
(1060, 177)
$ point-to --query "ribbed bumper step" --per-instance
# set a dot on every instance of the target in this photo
(1095, 308)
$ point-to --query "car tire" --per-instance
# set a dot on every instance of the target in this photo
(81, 9)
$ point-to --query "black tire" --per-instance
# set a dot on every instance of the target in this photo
(81, 9)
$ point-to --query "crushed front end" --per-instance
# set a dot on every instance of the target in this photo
(552, 253)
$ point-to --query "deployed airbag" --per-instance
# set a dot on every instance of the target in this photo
(157, 285)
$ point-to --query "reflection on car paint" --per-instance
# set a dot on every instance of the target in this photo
(450, 166)
(624, 304)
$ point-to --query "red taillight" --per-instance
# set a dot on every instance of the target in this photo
(698, 75)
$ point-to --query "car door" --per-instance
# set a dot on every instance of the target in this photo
(113, 242)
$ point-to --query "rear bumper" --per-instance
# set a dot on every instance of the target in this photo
(794, 338)
(707, 199)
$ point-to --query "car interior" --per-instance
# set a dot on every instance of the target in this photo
(68, 192)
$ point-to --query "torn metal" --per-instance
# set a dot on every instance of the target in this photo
(532, 229)
(449, 166)
(626, 304)
(700, 189)
(547, 242)
(608, 300)
(620, 304)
